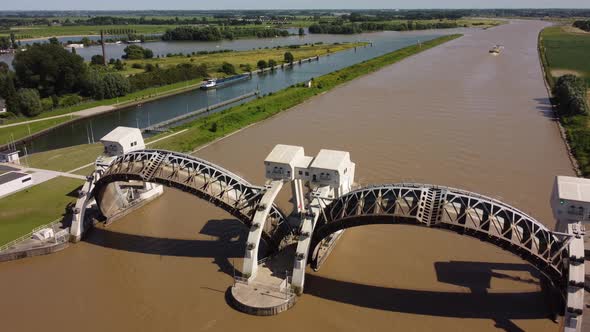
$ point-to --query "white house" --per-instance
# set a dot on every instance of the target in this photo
(12, 182)
(2, 106)
(122, 140)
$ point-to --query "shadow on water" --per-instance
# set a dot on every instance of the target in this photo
(545, 107)
(230, 242)
(502, 308)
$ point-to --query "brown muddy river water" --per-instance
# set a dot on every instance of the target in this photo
(454, 115)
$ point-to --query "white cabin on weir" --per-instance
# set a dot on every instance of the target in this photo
(333, 168)
(329, 168)
(571, 200)
(122, 140)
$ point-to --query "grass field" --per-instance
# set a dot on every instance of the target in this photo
(65, 159)
(38, 205)
(82, 30)
(567, 51)
(214, 61)
(17, 132)
(201, 130)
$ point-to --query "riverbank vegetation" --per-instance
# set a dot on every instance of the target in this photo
(139, 80)
(213, 33)
(355, 23)
(582, 25)
(35, 206)
(217, 125)
(563, 54)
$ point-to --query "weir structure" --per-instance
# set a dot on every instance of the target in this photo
(324, 205)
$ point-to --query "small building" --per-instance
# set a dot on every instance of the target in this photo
(571, 200)
(2, 106)
(122, 140)
(333, 168)
(282, 161)
(9, 156)
(12, 182)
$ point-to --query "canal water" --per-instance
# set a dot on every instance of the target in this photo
(167, 108)
(453, 115)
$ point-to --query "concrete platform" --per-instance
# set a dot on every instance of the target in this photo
(261, 300)
(269, 292)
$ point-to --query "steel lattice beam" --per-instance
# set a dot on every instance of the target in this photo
(453, 209)
(206, 180)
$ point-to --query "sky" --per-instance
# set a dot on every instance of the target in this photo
(281, 4)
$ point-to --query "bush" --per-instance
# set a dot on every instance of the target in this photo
(228, 68)
(29, 102)
(70, 100)
(137, 66)
(97, 59)
(135, 52)
(261, 64)
(159, 77)
(570, 92)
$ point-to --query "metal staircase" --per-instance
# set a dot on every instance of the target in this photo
(432, 205)
(148, 172)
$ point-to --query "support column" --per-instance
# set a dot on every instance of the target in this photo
(298, 195)
(308, 222)
(77, 225)
(250, 266)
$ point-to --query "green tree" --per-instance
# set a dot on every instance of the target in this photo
(9, 94)
(301, 32)
(228, 68)
(119, 65)
(3, 67)
(97, 59)
(53, 41)
(289, 58)
(5, 43)
(50, 69)
(135, 52)
(13, 40)
(261, 64)
(272, 63)
(29, 102)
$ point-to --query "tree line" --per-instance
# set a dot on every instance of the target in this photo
(47, 76)
(339, 27)
(212, 33)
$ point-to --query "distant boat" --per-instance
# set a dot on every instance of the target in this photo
(74, 46)
(496, 50)
(135, 41)
(222, 82)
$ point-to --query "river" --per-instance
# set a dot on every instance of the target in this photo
(167, 108)
(452, 115)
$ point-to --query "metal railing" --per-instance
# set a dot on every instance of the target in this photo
(29, 235)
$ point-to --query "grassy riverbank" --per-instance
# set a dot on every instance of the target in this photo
(217, 125)
(243, 59)
(213, 62)
(35, 206)
(564, 51)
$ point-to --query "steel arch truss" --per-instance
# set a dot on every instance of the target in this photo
(448, 208)
(201, 178)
